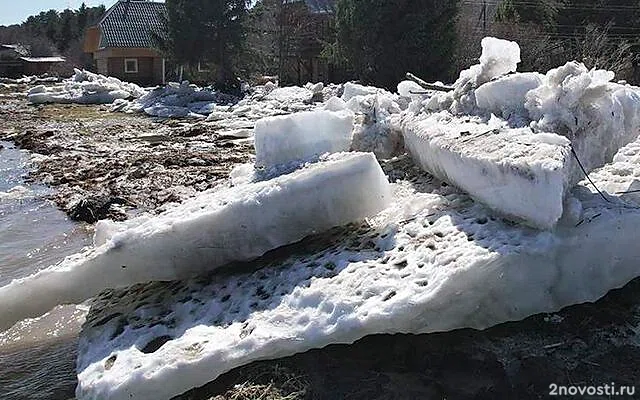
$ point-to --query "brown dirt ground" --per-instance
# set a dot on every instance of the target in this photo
(110, 165)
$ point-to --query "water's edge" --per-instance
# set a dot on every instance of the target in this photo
(37, 356)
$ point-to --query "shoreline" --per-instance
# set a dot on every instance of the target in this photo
(114, 165)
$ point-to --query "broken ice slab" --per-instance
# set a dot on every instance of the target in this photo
(513, 171)
(301, 136)
(448, 266)
(204, 233)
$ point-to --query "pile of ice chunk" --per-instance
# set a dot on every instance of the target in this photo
(519, 142)
(270, 100)
(373, 109)
(30, 80)
(177, 100)
(85, 87)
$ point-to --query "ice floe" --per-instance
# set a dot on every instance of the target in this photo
(507, 169)
(435, 260)
(206, 232)
(302, 136)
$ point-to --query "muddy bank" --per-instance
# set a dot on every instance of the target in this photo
(110, 165)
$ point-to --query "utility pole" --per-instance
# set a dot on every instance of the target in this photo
(484, 17)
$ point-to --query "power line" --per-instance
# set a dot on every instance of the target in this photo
(555, 35)
(620, 8)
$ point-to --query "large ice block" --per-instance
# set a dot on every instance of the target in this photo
(204, 233)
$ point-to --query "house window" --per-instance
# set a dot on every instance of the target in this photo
(202, 67)
(131, 65)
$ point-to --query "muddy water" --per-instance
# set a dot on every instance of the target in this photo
(36, 356)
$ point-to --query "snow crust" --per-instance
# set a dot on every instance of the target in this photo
(302, 136)
(85, 87)
(433, 261)
(204, 233)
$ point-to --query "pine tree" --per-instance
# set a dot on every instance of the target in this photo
(205, 30)
(381, 40)
(68, 31)
(83, 19)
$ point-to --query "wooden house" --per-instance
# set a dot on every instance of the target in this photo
(15, 62)
(122, 42)
(307, 26)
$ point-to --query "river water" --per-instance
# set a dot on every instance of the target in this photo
(37, 356)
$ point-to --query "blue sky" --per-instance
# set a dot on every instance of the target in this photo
(16, 11)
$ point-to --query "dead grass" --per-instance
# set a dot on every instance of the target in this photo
(266, 382)
(71, 112)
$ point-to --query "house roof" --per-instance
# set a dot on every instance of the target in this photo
(130, 23)
(18, 48)
(43, 59)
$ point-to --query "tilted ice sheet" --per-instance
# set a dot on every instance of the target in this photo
(434, 261)
(302, 136)
(204, 233)
(513, 171)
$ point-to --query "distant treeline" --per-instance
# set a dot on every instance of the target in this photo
(52, 32)
(374, 41)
